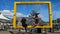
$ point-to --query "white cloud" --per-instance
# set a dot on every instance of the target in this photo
(56, 14)
(20, 15)
(40, 15)
(9, 13)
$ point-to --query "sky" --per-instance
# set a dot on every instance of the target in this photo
(7, 8)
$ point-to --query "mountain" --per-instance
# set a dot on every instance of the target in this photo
(30, 21)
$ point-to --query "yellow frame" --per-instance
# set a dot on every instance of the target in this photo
(50, 14)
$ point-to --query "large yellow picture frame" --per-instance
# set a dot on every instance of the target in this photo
(49, 9)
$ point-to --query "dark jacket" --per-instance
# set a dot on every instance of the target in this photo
(23, 21)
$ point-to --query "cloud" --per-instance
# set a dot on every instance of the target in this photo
(56, 14)
(20, 15)
(40, 15)
(9, 13)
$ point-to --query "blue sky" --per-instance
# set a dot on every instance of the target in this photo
(27, 9)
(7, 7)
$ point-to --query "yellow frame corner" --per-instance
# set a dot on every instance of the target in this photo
(50, 14)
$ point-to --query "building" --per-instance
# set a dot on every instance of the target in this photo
(3, 21)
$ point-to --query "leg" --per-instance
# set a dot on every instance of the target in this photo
(38, 30)
(25, 29)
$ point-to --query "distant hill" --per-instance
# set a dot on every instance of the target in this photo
(57, 20)
(30, 21)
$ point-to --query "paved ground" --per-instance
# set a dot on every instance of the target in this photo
(6, 32)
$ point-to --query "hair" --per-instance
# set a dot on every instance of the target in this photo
(36, 15)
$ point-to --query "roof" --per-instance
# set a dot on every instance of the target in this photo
(3, 17)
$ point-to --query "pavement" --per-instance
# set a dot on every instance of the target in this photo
(4, 32)
(7, 32)
(16, 32)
